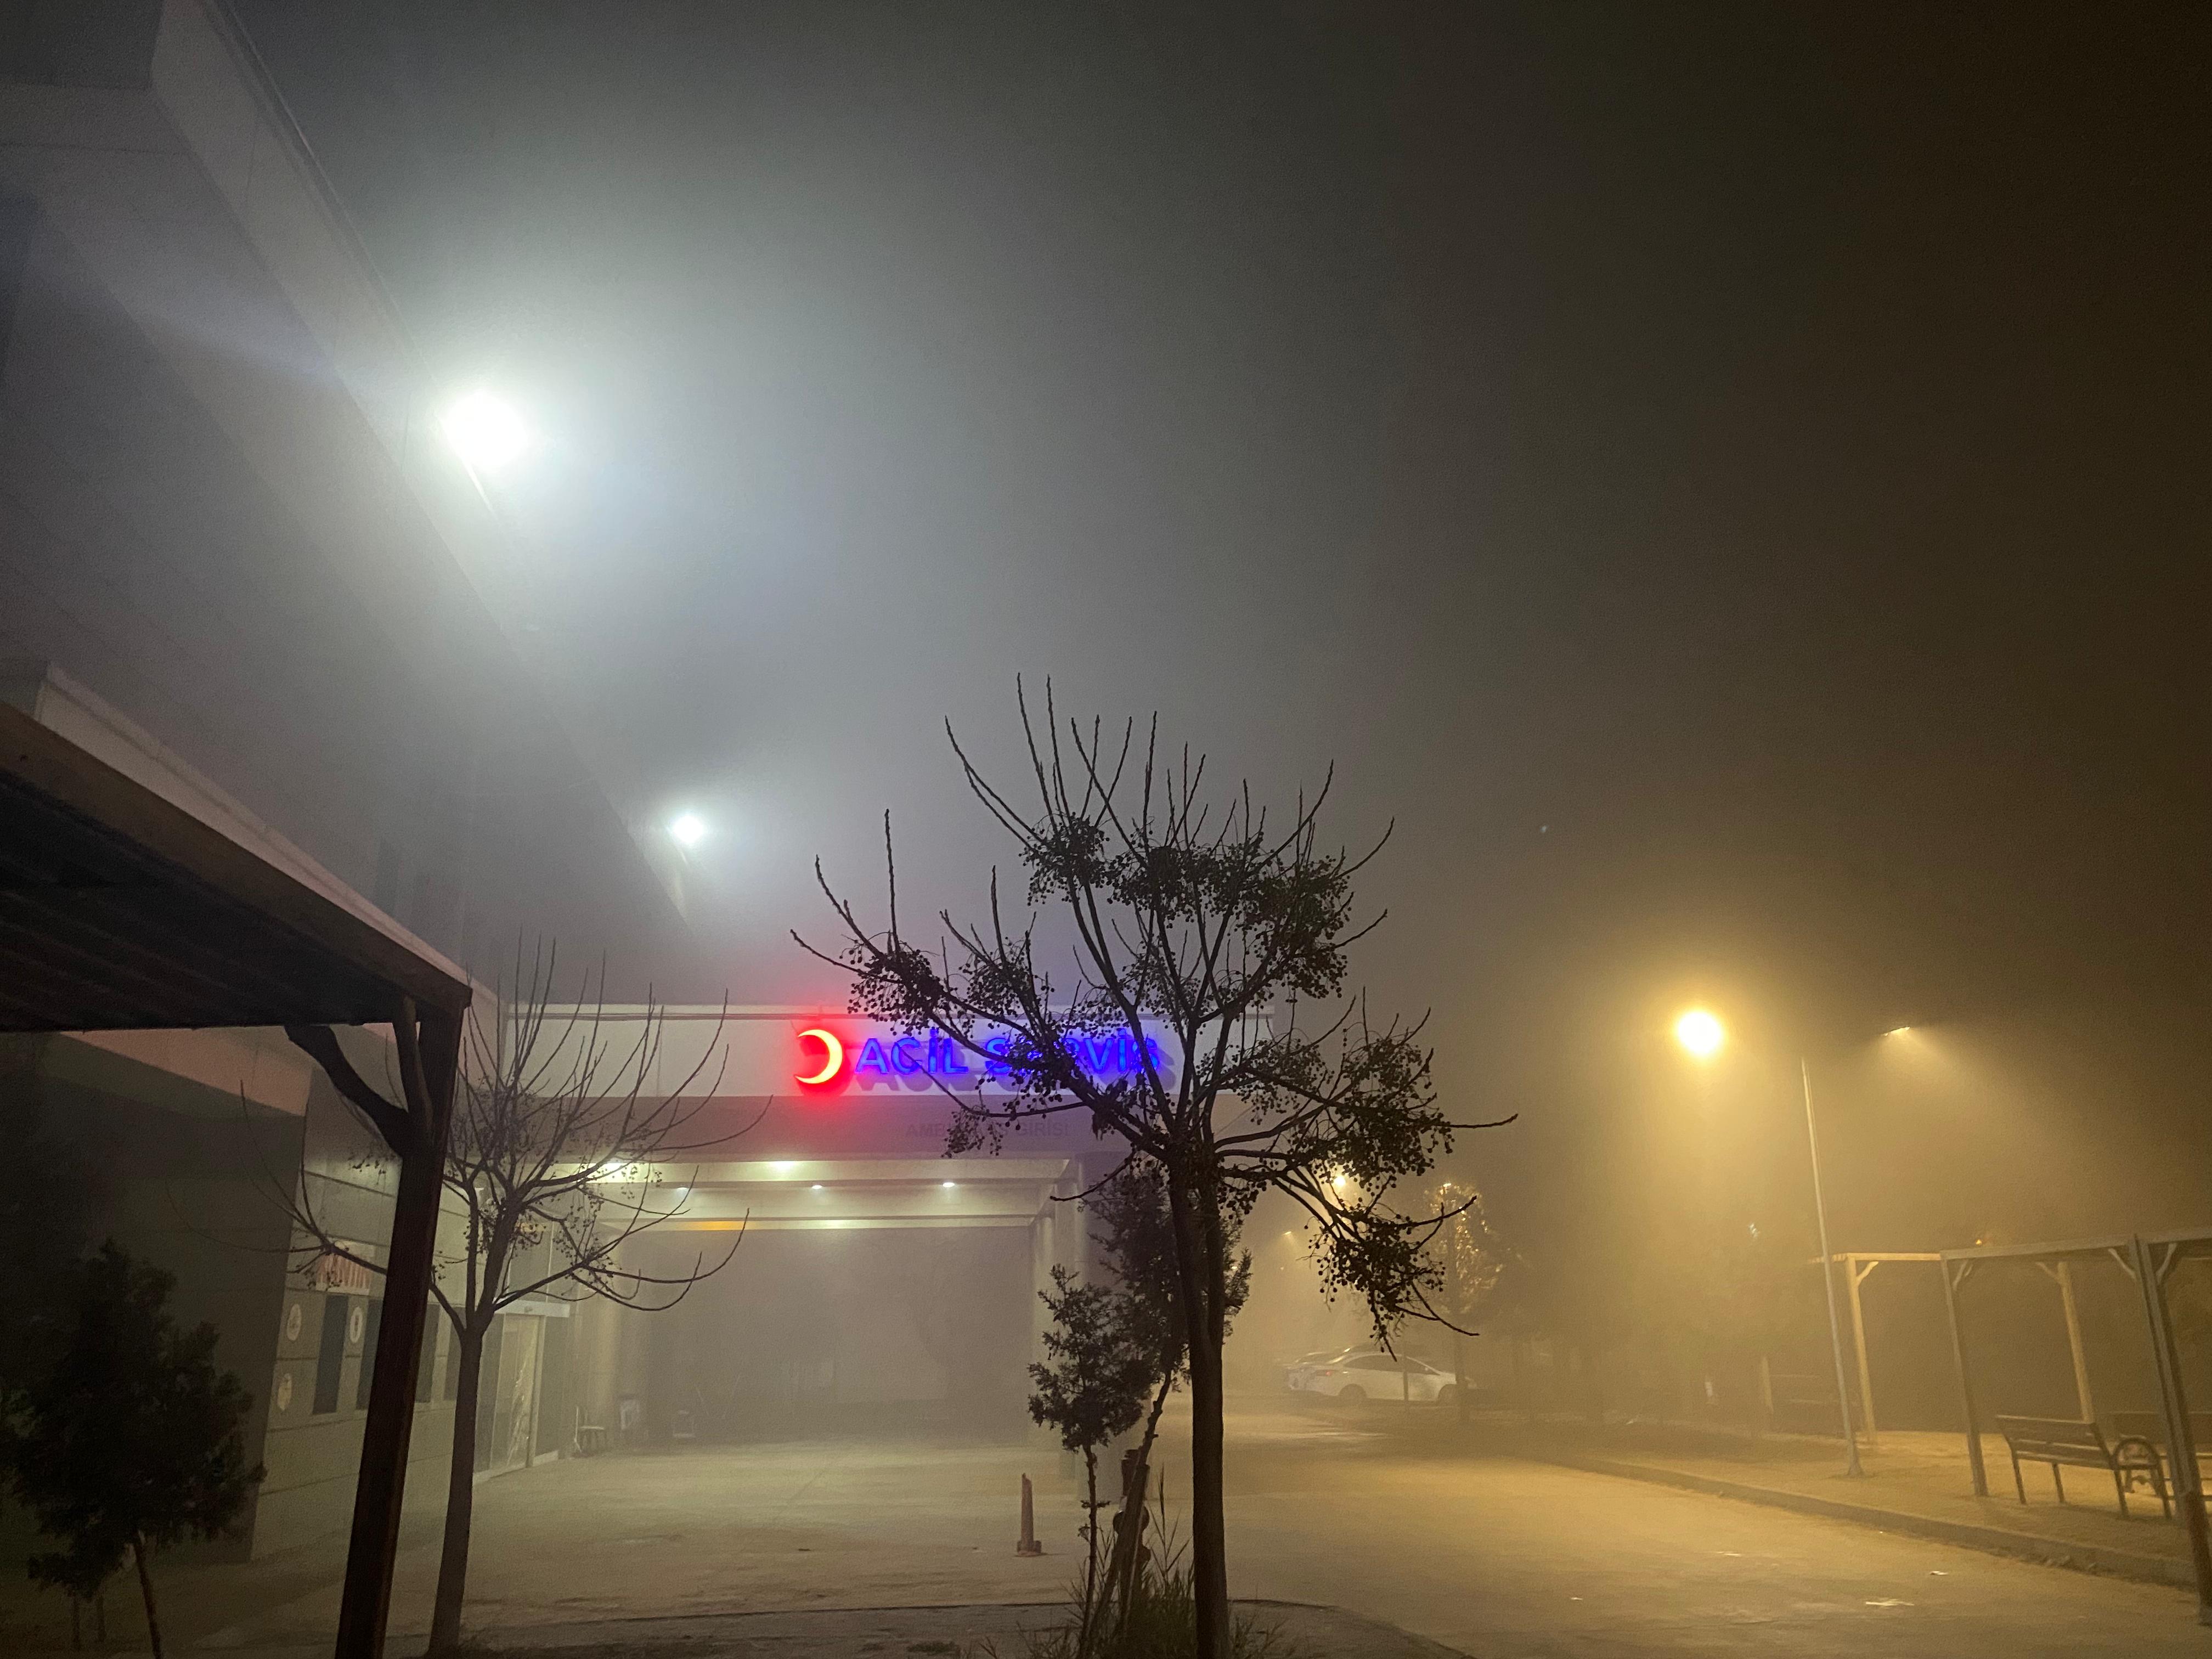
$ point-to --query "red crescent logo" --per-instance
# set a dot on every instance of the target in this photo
(833, 1058)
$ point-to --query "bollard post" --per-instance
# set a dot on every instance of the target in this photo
(1028, 1546)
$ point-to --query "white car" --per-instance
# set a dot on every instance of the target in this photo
(1363, 1374)
(1306, 1362)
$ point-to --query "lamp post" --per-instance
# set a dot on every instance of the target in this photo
(1702, 1035)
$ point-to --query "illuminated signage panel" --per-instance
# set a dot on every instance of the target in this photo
(836, 1057)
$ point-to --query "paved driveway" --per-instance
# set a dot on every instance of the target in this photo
(1492, 1556)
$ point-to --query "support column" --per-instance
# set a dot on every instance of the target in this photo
(382, 1484)
(1966, 1376)
(1059, 1237)
(2087, 1402)
(1857, 1275)
(2180, 1441)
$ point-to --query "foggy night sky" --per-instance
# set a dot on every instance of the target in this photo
(1728, 481)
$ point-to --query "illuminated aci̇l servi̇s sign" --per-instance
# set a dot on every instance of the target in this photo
(835, 1056)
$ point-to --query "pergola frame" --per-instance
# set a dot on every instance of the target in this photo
(145, 899)
(2148, 1258)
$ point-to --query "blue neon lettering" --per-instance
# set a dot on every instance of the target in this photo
(944, 1059)
(1006, 1055)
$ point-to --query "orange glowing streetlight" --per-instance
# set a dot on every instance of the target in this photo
(1702, 1036)
(1700, 1031)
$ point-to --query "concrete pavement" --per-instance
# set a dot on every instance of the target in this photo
(1489, 1555)
(1508, 1559)
(973, 1632)
(1913, 1482)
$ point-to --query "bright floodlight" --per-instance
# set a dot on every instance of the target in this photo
(689, 829)
(1700, 1033)
(951, 1183)
(484, 431)
(1899, 1030)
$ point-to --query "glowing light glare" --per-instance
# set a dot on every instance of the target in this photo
(1701, 1033)
(950, 1184)
(484, 430)
(1899, 1030)
(783, 1168)
(816, 1188)
(688, 829)
(833, 1057)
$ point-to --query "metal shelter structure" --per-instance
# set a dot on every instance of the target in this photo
(2149, 1260)
(135, 895)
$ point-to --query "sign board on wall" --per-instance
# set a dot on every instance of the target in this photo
(840, 1056)
(329, 1271)
(763, 1052)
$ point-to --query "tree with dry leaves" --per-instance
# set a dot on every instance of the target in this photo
(1198, 935)
(555, 1167)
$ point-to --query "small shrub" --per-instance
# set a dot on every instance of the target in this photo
(1161, 1622)
(133, 1439)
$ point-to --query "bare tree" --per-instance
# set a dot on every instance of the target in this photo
(555, 1166)
(1196, 932)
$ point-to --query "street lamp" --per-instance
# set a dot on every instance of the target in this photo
(1702, 1034)
(484, 430)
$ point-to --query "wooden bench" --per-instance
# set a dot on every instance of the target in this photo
(2067, 1442)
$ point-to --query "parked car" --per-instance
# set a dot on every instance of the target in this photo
(1307, 1361)
(1363, 1374)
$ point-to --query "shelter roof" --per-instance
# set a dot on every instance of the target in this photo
(2188, 1239)
(135, 895)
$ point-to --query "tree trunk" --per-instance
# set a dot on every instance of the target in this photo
(1129, 1530)
(1089, 1621)
(460, 1495)
(1459, 1376)
(146, 1591)
(1209, 1557)
(1209, 1531)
